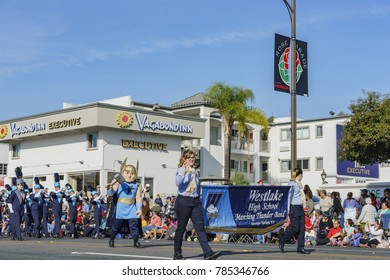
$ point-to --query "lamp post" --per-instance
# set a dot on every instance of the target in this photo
(323, 176)
(293, 82)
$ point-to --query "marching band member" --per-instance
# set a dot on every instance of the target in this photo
(56, 198)
(16, 201)
(27, 213)
(73, 198)
(45, 212)
(129, 204)
(37, 207)
(97, 211)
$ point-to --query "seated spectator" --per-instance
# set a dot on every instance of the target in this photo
(324, 226)
(145, 209)
(325, 201)
(316, 220)
(348, 232)
(158, 200)
(155, 223)
(375, 233)
(333, 237)
(357, 236)
(172, 225)
(310, 235)
(384, 209)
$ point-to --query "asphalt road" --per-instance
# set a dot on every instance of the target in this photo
(97, 249)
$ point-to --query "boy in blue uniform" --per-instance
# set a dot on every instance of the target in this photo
(129, 204)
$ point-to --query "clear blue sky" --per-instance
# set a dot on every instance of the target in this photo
(162, 51)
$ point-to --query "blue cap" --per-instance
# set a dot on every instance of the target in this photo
(19, 182)
(57, 184)
(37, 186)
(94, 192)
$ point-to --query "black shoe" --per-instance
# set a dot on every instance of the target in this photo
(212, 255)
(178, 257)
(138, 245)
(281, 245)
(20, 239)
(13, 238)
(111, 243)
(303, 251)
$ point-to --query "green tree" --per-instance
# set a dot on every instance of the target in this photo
(238, 179)
(231, 103)
(366, 137)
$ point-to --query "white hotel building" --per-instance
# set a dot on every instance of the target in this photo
(86, 144)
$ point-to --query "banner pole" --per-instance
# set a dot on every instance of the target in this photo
(293, 90)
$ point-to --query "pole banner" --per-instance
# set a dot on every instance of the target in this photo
(281, 65)
(281, 58)
(244, 209)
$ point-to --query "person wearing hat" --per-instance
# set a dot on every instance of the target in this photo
(45, 212)
(362, 199)
(56, 198)
(310, 235)
(367, 215)
(37, 208)
(27, 217)
(16, 201)
(296, 204)
(128, 208)
(73, 199)
(97, 212)
(189, 205)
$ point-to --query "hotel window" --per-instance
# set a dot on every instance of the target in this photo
(285, 134)
(16, 151)
(92, 140)
(285, 165)
(319, 131)
(303, 133)
(319, 163)
(3, 168)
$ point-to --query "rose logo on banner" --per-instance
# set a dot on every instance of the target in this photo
(283, 66)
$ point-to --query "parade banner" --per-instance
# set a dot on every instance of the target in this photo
(244, 209)
(282, 65)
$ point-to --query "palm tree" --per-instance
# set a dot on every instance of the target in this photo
(231, 102)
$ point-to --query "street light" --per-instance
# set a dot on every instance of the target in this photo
(323, 176)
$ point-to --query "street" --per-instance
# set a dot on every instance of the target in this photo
(97, 249)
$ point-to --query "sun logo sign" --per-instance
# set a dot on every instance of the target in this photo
(124, 120)
(3, 131)
(284, 64)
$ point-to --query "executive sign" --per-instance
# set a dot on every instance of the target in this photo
(353, 168)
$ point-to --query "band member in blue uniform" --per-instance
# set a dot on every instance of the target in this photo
(27, 213)
(45, 212)
(97, 212)
(56, 198)
(129, 203)
(37, 207)
(73, 199)
(16, 201)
